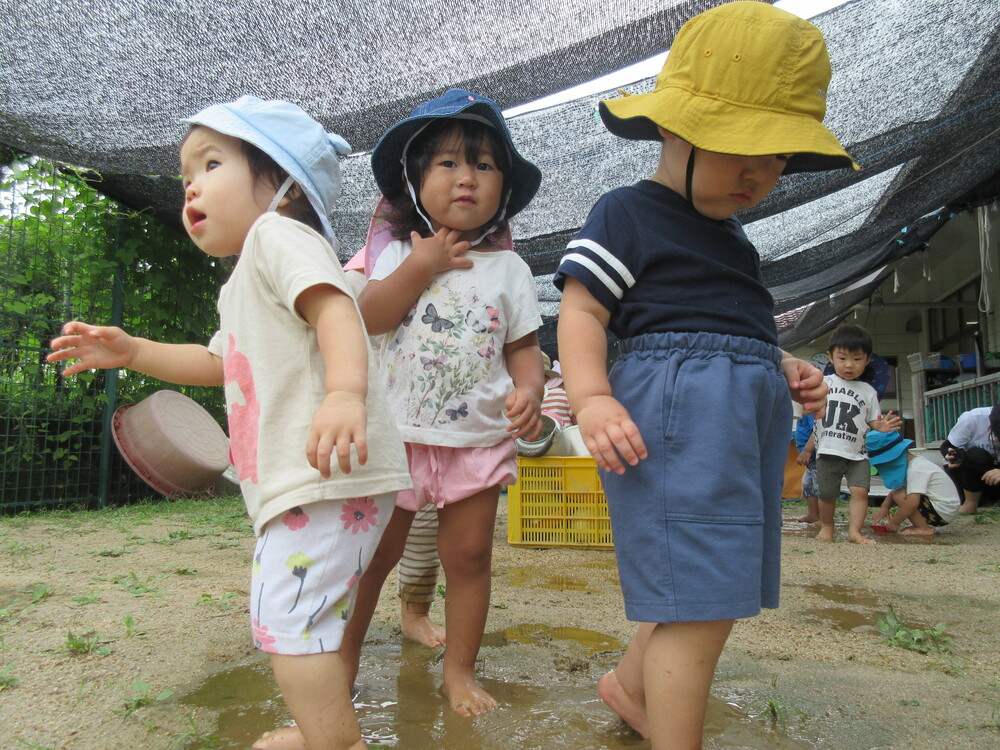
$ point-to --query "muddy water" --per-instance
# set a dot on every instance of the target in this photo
(400, 704)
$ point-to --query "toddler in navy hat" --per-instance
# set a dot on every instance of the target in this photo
(460, 352)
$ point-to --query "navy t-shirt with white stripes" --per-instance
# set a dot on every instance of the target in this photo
(660, 266)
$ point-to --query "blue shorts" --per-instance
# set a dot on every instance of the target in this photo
(697, 524)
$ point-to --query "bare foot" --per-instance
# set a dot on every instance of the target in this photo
(629, 710)
(858, 538)
(825, 534)
(286, 738)
(969, 510)
(805, 519)
(422, 629)
(914, 531)
(466, 696)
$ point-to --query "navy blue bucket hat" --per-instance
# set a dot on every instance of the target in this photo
(387, 156)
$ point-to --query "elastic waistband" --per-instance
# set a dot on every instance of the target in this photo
(663, 344)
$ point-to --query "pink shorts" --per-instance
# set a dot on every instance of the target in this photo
(443, 475)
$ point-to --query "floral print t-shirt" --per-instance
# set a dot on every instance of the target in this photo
(443, 367)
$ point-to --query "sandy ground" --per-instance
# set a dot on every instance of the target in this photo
(103, 613)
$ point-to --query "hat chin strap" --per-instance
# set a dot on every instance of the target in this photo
(689, 177)
(420, 209)
(285, 187)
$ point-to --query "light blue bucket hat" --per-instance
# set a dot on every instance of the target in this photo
(297, 143)
(887, 454)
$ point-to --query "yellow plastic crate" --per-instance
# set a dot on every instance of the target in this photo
(558, 501)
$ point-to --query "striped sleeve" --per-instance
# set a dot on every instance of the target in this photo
(598, 257)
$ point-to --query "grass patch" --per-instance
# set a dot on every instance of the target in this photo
(139, 586)
(7, 678)
(87, 643)
(141, 698)
(209, 515)
(924, 641)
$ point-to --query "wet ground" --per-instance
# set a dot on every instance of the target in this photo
(400, 704)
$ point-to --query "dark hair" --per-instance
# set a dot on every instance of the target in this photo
(403, 217)
(851, 338)
(265, 169)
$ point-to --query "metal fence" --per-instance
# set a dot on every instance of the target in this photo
(58, 263)
(943, 406)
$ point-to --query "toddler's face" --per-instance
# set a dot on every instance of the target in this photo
(849, 365)
(723, 183)
(458, 193)
(222, 199)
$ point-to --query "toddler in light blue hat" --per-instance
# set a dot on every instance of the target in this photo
(302, 393)
(920, 490)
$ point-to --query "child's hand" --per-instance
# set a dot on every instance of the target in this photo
(341, 420)
(888, 423)
(443, 251)
(96, 347)
(524, 412)
(991, 477)
(806, 384)
(805, 455)
(608, 431)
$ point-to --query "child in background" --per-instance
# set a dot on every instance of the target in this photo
(419, 564)
(666, 266)
(302, 394)
(923, 491)
(555, 403)
(851, 410)
(460, 354)
(806, 444)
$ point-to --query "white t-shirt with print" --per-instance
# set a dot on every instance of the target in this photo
(850, 406)
(443, 367)
(275, 377)
(927, 478)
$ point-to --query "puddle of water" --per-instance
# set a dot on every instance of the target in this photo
(804, 530)
(842, 594)
(534, 578)
(846, 619)
(401, 706)
(592, 641)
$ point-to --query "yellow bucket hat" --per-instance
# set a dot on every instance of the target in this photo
(742, 78)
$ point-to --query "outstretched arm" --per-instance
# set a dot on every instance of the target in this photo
(606, 426)
(385, 303)
(342, 418)
(107, 347)
(523, 358)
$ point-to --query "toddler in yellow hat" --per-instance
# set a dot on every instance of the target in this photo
(666, 266)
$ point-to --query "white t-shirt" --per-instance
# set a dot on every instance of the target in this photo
(443, 367)
(850, 406)
(972, 430)
(275, 377)
(929, 479)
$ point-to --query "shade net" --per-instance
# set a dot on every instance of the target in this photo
(915, 98)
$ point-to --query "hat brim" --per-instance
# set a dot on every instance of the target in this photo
(725, 127)
(223, 120)
(890, 455)
(893, 474)
(388, 153)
